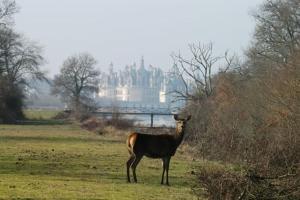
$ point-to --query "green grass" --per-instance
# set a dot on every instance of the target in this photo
(34, 114)
(66, 162)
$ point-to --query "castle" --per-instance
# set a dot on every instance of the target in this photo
(150, 86)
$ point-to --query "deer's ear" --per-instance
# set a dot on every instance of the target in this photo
(189, 117)
(176, 117)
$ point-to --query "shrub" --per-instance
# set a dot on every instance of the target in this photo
(11, 103)
(226, 184)
(99, 125)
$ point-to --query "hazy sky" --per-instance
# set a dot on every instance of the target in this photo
(121, 31)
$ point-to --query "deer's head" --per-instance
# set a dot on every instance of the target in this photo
(181, 122)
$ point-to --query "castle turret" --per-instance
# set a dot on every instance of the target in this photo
(142, 63)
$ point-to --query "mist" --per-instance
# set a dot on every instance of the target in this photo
(123, 31)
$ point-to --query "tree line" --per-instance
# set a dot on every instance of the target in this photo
(248, 114)
(20, 60)
(20, 63)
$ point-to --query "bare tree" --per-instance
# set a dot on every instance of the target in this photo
(196, 73)
(7, 9)
(77, 81)
(20, 59)
(277, 33)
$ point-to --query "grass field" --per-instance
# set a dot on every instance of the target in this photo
(66, 162)
(34, 114)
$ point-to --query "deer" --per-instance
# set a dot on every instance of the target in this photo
(161, 146)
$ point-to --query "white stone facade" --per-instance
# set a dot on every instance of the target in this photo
(148, 85)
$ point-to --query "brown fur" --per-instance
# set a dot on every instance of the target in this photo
(130, 141)
(154, 146)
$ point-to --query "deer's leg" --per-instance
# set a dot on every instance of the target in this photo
(134, 164)
(128, 164)
(164, 169)
(167, 169)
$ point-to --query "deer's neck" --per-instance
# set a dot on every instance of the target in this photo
(179, 135)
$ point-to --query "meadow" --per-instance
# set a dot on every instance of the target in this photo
(63, 161)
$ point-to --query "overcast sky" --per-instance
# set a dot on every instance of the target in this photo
(121, 31)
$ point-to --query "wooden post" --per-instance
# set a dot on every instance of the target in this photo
(151, 120)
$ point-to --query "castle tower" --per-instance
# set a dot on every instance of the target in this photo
(111, 68)
(142, 63)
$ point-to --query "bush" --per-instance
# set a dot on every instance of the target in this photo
(226, 184)
(100, 125)
(252, 116)
(252, 122)
(11, 103)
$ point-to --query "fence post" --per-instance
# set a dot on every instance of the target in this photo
(151, 120)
